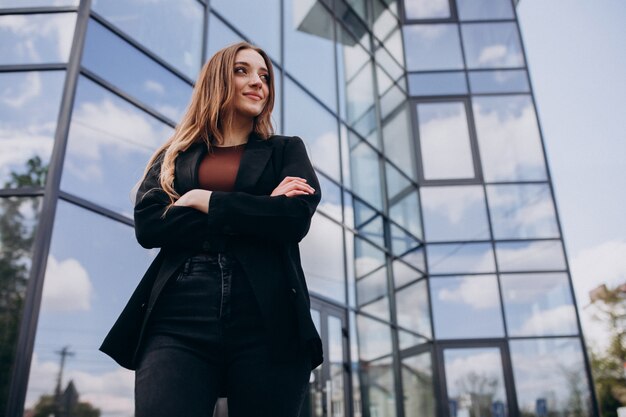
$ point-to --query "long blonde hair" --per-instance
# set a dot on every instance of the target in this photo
(210, 111)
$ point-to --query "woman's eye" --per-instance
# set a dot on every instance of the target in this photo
(240, 70)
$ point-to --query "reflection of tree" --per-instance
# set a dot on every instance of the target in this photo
(17, 219)
(575, 403)
(478, 390)
(71, 407)
(418, 391)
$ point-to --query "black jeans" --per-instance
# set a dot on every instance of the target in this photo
(206, 339)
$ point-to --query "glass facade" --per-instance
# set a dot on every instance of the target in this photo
(436, 267)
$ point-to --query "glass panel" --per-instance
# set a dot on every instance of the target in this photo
(19, 218)
(109, 143)
(118, 62)
(416, 259)
(413, 311)
(397, 140)
(396, 182)
(450, 83)
(455, 213)
(484, 9)
(426, 9)
(522, 211)
(220, 36)
(538, 305)
(322, 258)
(374, 338)
(407, 340)
(378, 309)
(406, 212)
(331, 198)
(384, 21)
(391, 101)
(403, 274)
(475, 298)
(318, 129)
(432, 47)
(363, 213)
(444, 141)
(460, 257)
(308, 37)
(550, 377)
(371, 286)
(26, 137)
(417, 382)
(365, 174)
(336, 362)
(36, 3)
(509, 81)
(172, 29)
(378, 381)
(36, 38)
(492, 45)
(373, 230)
(313, 402)
(475, 382)
(508, 136)
(401, 241)
(530, 256)
(79, 304)
(247, 15)
(354, 366)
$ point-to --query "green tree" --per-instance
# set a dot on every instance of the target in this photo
(608, 366)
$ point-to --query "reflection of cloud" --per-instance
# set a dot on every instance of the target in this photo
(67, 286)
(492, 55)
(428, 33)
(324, 152)
(558, 320)
(154, 86)
(17, 96)
(425, 9)
(452, 202)
(476, 291)
(484, 362)
(530, 256)
(17, 147)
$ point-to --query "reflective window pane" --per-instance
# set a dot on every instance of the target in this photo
(246, 15)
(392, 100)
(308, 38)
(522, 211)
(403, 274)
(331, 198)
(397, 140)
(555, 382)
(109, 144)
(460, 257)
(171, 29)
(546, 255)
(220, 36)
(432, 47)
(396, 182)
(417, 382)
(415, 258)
(322, 258)
(407, 340)
(374, 338)
(368, 257)
(36, 38)
(26, 137)
(475, 382)
(484, 9)
(378, 380)
(20, 216)
(413, 312)
(118, 62)
(401, 241)
(336, 365)
(80, 303)
(365, 174)
(455, 213)
(426, 9)
(475, 298)
(372, 286)
(373, 229)
(508, 137)
(538, 305)
(492, 45)
(509, 81)
(378, 308)
(437, 84)
(444, 141)
(318, 129)
(406, 212)
(36, 3)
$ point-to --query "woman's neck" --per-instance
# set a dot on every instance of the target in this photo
(236, 134)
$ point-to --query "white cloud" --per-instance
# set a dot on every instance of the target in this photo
(558, 320)
(67, 286)
(16, 96)
(492, 54)
(452, 202)
(154, 87)
(479, 292)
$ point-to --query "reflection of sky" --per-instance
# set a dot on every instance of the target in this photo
(538, 304)
(397, 139)
(121, 64)
(412, 308)
(484, 9)
(460, 257)
(372, 286)
(485, 363)
(34, 3)
(36, 38)
(437, 84)
(511, 81)
(539, 373)
(365, 174)
(492, 45)
(173, 30)
(24, 133)
(406, 213)
(466, 307)
(368, 257)
(427, 9)
(83, 294)
(109, 143)
(374, 338)
(432, 47)
(530, 256)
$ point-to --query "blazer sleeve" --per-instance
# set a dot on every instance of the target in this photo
(279, 218)
(180, 227)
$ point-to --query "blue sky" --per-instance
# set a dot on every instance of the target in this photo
(577, 60)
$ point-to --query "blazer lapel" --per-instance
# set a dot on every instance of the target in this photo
(253, 161)
(186, 171)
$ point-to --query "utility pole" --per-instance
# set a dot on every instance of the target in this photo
(64, 352)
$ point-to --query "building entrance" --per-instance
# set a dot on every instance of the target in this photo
(477, 380)
(329, 384)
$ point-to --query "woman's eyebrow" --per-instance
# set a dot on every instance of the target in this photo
(247, 65)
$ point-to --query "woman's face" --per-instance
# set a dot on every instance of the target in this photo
(251, 83)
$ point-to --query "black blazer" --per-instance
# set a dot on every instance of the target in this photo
(262, 231)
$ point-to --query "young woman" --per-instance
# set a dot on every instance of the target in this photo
(223, 310)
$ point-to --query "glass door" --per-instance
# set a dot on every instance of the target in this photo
(477, 380)
(329, 383)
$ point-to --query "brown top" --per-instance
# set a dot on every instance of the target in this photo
(218, 169)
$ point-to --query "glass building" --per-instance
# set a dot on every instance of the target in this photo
(435, 262)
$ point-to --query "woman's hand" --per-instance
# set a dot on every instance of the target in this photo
(292, 186)
(197, 199)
